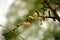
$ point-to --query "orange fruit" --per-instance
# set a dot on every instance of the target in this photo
(35, 15)
(26, 24)
(56, 7)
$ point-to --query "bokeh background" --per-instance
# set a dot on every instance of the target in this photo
(14, 12)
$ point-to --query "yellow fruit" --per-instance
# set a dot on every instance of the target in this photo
(35, 15)
(26, 24)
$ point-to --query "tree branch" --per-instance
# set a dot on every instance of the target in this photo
(47, 17)
(52, 9)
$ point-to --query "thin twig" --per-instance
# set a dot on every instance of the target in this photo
(47, 17)
(12, 31)
(52, 9)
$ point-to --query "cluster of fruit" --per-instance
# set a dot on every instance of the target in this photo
(34, 17)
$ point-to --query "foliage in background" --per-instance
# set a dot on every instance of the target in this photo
(22, 9)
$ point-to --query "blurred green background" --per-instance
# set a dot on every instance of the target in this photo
(22, 9)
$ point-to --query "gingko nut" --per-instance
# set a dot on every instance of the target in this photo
(26, 24)
(35, 15)
(56, 7)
